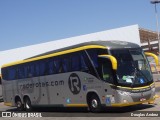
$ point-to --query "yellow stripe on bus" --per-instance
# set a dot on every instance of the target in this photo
(7, 103)
(137, 88)
(55, 54)
(131, 103)
(77, 105)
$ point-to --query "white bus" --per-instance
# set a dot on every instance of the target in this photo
(92, 74)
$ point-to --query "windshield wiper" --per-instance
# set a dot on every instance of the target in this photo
(135, 76)
(143, 75)
(139, 71)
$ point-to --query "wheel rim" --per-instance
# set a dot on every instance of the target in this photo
(19, 104)
(94, 103)
(27, 106)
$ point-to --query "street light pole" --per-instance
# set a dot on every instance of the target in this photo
(155, 2)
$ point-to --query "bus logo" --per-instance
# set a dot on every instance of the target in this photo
(74, 83)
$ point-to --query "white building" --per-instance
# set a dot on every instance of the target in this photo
(129, 33)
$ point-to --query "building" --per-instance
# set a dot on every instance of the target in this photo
(149, 40)
(132, 33)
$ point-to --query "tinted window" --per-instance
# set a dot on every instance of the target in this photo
(50, 66)
(42, 68)
(5, 73)
(66, 63)
(37, 68)
(84, 66)
(94, 56)
(20, 72)
(75, 60)
(58, 65)
(93, 53)
(12, 73)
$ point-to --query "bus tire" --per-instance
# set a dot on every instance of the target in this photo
(27, 104)
(19, 105)
(94, 103)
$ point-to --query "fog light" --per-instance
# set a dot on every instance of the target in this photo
(151, 102)
(156, 96)
(125, 101)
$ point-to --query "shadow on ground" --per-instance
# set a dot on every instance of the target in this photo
(85, 110)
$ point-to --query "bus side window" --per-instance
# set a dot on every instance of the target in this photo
(58, 65)
(75, 62)
(93, 53)
(37, 69)
(84, 66)
(25, 71)
(20, 72)
(30, 70)
(12, 73)
(66, 63)
(50, 66)
(42, 68)
(5, 73)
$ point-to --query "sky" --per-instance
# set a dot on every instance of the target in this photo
(29, 22)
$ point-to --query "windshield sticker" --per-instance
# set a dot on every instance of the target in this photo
(128, 79)
(108, 100)
(141, 80)
(124, 78)
(84, 87)
(68, 100)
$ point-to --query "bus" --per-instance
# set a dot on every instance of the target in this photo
(94, 74)
(0, 88)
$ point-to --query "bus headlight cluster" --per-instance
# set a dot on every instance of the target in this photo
(125, 101)
(124, 93)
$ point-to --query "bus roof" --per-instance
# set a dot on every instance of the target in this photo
(108, 44)
(78, 47)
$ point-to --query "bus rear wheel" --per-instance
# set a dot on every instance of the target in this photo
(27, 104)
(94, 104)
(19, 105)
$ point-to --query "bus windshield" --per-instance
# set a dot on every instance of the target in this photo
(133, 68)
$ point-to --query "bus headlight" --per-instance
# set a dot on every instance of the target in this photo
(125, 101)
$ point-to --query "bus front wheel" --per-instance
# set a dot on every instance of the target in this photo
(19, 105)
(27, 104)
(94, 104)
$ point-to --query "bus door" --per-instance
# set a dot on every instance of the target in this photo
(106, 73)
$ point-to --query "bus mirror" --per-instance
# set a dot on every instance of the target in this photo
(112, 59)
(154, 56)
